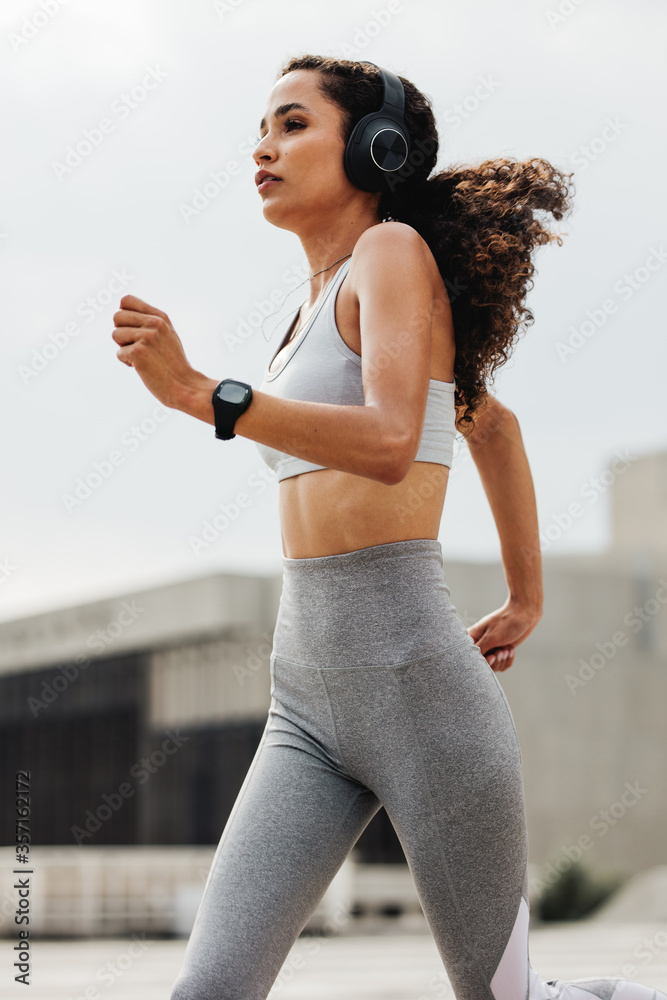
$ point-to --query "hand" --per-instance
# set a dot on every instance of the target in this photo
(498, 633)
(150, 345)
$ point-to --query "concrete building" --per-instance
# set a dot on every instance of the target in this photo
(138, 716)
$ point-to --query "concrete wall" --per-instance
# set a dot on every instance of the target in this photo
(588, 693)
(588, 689)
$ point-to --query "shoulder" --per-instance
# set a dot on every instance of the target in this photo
(388, 239)
(388, 252)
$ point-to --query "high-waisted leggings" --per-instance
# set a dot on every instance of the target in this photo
(379, 697)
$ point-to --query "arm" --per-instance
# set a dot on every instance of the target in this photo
(378, 440)
(496, 446)
(350, 438)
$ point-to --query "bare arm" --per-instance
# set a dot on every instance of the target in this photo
(497, 448)
(379, 440)
(350, 438)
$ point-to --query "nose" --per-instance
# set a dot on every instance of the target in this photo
(262, 151)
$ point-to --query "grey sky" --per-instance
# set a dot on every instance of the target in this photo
(168, 94)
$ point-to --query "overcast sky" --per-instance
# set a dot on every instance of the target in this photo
(168, 94)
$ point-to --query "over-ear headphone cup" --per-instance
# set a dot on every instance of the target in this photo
(377, 149)
(380, 143)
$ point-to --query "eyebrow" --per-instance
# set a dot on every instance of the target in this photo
(283, 109)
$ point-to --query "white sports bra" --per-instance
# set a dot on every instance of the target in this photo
(321, 368)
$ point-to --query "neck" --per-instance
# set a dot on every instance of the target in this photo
(325, 241)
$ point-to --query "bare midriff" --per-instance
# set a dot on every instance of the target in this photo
(326, 511)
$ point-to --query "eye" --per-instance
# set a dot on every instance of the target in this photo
(290, 121)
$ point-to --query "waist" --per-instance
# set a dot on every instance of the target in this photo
(382, 604)
(329, 511)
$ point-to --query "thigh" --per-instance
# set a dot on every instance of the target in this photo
(456, 802)
(294, 822)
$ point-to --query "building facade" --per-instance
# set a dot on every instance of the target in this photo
(138, 716)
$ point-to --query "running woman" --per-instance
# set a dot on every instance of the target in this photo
(379, 694)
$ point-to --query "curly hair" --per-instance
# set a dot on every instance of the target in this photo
(478, 221)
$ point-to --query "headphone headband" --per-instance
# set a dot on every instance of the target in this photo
(393, 95)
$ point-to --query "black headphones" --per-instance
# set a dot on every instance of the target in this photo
(380, 143)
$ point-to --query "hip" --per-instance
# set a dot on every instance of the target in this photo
(384, 604)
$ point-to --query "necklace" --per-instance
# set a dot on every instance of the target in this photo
(291, 337)
(300, 322)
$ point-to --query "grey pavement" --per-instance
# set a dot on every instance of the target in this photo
(399, 961)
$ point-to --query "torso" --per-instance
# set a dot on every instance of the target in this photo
(327, 511)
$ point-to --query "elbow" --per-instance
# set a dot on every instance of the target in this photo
(498, 418)
(398, 455)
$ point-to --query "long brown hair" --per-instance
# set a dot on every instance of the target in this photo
(478, 221)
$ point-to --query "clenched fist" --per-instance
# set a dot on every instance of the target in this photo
(150, 345)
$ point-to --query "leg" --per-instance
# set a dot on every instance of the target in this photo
(415, 714)
(295, 820)
(463, 829)
(435, 740)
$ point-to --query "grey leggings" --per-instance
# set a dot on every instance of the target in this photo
(379, 697)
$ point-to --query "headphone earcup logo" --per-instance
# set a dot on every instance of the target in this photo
(389, 150)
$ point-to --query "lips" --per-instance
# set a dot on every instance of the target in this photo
(268, 182)
(262, 177)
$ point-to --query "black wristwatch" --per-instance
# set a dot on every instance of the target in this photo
(230, 400)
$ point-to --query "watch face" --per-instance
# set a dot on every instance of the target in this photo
(232, 392)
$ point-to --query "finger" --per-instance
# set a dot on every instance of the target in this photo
(125, 335)
(138, 305)
(505, 658)
(123, 356)
(130, 317)
(499, 655)
(476, 632)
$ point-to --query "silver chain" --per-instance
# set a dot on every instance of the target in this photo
(300, 325)
(310, 276)
(320, 272)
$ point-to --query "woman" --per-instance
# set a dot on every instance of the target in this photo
(379, 694)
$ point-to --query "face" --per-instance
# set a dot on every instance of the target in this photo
(304, 147)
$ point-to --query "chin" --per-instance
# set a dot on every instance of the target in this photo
(278, 216)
